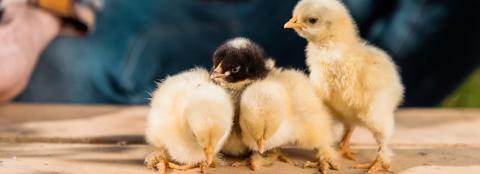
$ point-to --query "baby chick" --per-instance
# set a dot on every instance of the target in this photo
(189, 121)
(357, 81)
(237, 63)
(283, 109)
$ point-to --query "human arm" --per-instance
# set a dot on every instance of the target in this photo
(24, 33)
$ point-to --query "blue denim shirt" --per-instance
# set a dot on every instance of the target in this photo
(139, 42)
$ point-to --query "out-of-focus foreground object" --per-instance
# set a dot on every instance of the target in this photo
(78, 15)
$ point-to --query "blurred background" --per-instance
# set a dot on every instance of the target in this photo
(435, 44)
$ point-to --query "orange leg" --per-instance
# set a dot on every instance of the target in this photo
(345, 143)
(253, 162)
(380, 163)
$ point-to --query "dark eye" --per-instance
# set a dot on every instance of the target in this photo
(312, 20)
(235, 70)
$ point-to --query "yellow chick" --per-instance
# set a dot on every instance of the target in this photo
(357, 81)
(189, 121)
(284, 109)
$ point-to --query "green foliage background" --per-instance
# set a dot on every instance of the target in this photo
(467, 95)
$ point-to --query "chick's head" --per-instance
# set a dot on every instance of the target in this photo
(317, 20)
(238, 61)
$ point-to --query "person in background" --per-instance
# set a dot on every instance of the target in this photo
(134, 44)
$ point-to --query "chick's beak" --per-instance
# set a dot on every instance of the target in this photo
(217, 73)
(294, 24)
(209, 155)
(261, 145)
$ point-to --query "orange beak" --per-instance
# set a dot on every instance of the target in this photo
(217, 73)
(293, 23)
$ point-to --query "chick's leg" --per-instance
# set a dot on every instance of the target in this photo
(253, 161)
(381, 162)
(382, 129)
(345, 143)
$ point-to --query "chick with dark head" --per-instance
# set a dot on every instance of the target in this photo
(237, 63)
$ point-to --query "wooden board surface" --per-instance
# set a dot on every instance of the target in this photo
(109, 139)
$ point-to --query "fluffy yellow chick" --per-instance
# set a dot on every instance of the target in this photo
(284, 109)
(357, 81)
(189, 120)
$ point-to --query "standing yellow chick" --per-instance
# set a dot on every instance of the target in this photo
(357, 81)
(189, 121)
(284, 109)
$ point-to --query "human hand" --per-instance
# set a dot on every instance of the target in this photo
(78, 15)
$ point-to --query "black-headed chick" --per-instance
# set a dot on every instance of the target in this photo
(237, 63)
(190, 118)
(357, 81)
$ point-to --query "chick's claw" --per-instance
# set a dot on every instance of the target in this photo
(157, 162)
(254, 162)
(309, 164)
(323, 165)
(376, 166)
(219, 162)
(181, 167)
(247, 162)
(152, 160)
(240, 163)
(203, 167)
(281, 156)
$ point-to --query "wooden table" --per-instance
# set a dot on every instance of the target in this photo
(71, 139)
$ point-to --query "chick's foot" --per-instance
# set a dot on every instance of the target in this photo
(181, 167)
(323, 165)
(278, 154)
(256, 160)
(156, 161)
(219, 162)
(377, 165)
(203, 167)
(347, 152)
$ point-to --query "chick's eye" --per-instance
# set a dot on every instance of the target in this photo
(312, 20)
(235, 70)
